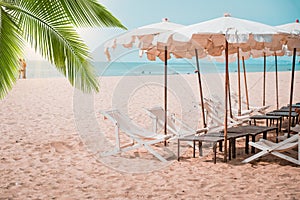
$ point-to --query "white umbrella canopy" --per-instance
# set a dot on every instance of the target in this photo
(143, 37)
(239, 33)
(294, 29)
(236, 30)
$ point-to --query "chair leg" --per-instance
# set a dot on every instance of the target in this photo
(178, 150)
(194, 149)
(117, 135)
(255, 156)
(285, 157)
(253, 148)
(247, 145)
(220, 146)
(233, 148)
(215, 152)
(230, 149)
(200, 148)
(155, 153)
(277, 132)
(265, 135)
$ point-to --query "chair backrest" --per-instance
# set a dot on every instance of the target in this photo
(215, 115)
(293, 142)
(159, 114)
(288, 146)
(214, 112)
(254, 110)
(126, 124)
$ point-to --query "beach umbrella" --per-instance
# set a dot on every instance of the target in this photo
(145, 39)
(293, 43)
(226, 34)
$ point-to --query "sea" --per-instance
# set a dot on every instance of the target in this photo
(43, 69)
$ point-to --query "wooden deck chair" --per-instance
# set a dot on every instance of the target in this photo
(277, 149)
(141, 136)
(174, 125)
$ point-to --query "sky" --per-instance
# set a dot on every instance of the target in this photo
(136, 13)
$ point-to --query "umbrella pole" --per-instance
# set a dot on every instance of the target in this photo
(166, 97)
(200, 89)
(239, 83)
(276, 76)
(246, 86)
(229, 96)
(264, 81)
(226, 99)
(292, 90)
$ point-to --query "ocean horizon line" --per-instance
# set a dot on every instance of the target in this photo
(43, 69)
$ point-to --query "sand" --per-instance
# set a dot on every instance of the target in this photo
(52, 137)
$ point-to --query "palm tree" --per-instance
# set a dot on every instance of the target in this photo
(49, 26)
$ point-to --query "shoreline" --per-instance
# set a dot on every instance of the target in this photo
(173, 74)
(37, 69)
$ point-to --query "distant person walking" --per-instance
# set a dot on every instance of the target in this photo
(20, 67)
(22, 70)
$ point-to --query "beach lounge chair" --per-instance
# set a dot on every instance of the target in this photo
(175, 126)
(215, 116)
(141, 136)
(277, 149)
(253, 110)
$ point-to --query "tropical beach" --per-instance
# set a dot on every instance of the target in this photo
(195, 101)
(44, 157)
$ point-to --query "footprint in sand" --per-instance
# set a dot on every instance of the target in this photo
(60, 147)
(44, 160)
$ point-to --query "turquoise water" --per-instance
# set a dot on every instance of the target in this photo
(42, 69)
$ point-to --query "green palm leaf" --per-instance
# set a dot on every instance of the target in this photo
(10, 50)
(93, 13)
(49, 26)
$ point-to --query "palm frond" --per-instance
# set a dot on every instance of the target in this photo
(49, 26)
(48, 30)
(89, 13)
(10, 51)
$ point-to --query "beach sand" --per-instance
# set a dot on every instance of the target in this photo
(51, 138)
